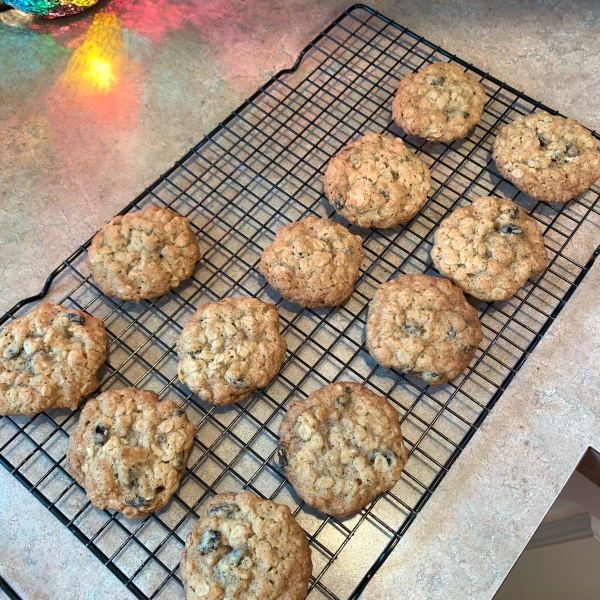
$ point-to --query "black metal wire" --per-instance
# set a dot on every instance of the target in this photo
(258, 170)
(4, 587)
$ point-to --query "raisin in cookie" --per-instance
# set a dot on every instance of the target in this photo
(422, 326)
(143, 254)
(230, 348)
(440, 102)
(313, 262)
(548, 157)
(489, 249)
(341, 447)
(246, 548)
(128, 450)
(376, 181)
(49, 358)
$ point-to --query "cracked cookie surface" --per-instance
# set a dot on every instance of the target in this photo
(548, 157)
(143, 254)
(313, 262)
(489, 249)
(440, 102)
(128, 450)
(376, 181)
(49, 358)
(246, 548)
(341, 447)
(230, 348)
(423, 326)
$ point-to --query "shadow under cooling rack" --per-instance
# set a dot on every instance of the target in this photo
(259, 170)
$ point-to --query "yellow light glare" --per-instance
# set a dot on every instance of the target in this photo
(100, 73)
(95, 67)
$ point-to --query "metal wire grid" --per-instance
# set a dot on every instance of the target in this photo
(259, 170)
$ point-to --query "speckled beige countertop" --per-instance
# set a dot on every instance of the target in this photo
(67, 167)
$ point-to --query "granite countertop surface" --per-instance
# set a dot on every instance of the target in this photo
(70, 161)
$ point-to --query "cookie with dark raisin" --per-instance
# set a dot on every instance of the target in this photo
(313, 262)
(246, 548)
(376, 181)
(548, 157)
(422, 326)
(341, 447)
(489, 249)
(440, 102)
(128, 450)
(143, 254)
(230, 348)
(49, 358)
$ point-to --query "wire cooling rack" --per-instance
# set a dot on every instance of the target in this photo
(259, 170)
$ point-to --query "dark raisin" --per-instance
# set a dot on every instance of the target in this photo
(407, 370)
(178, 412)
(389, 456)
(413, 329)
(209, 541)
(338, 202)
(543, 138)
(223, 510)
(241, 382)
(161, 438)
(558, 157)
(282, 457)
(467, 348)
(133, 477)
(76, 318)
(512, 213)
(137, 501)
(437, 80)
(11, 353)
(384, 193)
(511, 229)
(573, 150)
(451, 332)
(100, 434)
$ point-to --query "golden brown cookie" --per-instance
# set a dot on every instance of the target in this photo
(313, 262)
(440, 102)
(423, 326)
(341, 447)
(376, 181)
(489, 249)
(246, 548)
(548, 157)
(143, 254)
(128, 450)
(49, 358)
(230, 348)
